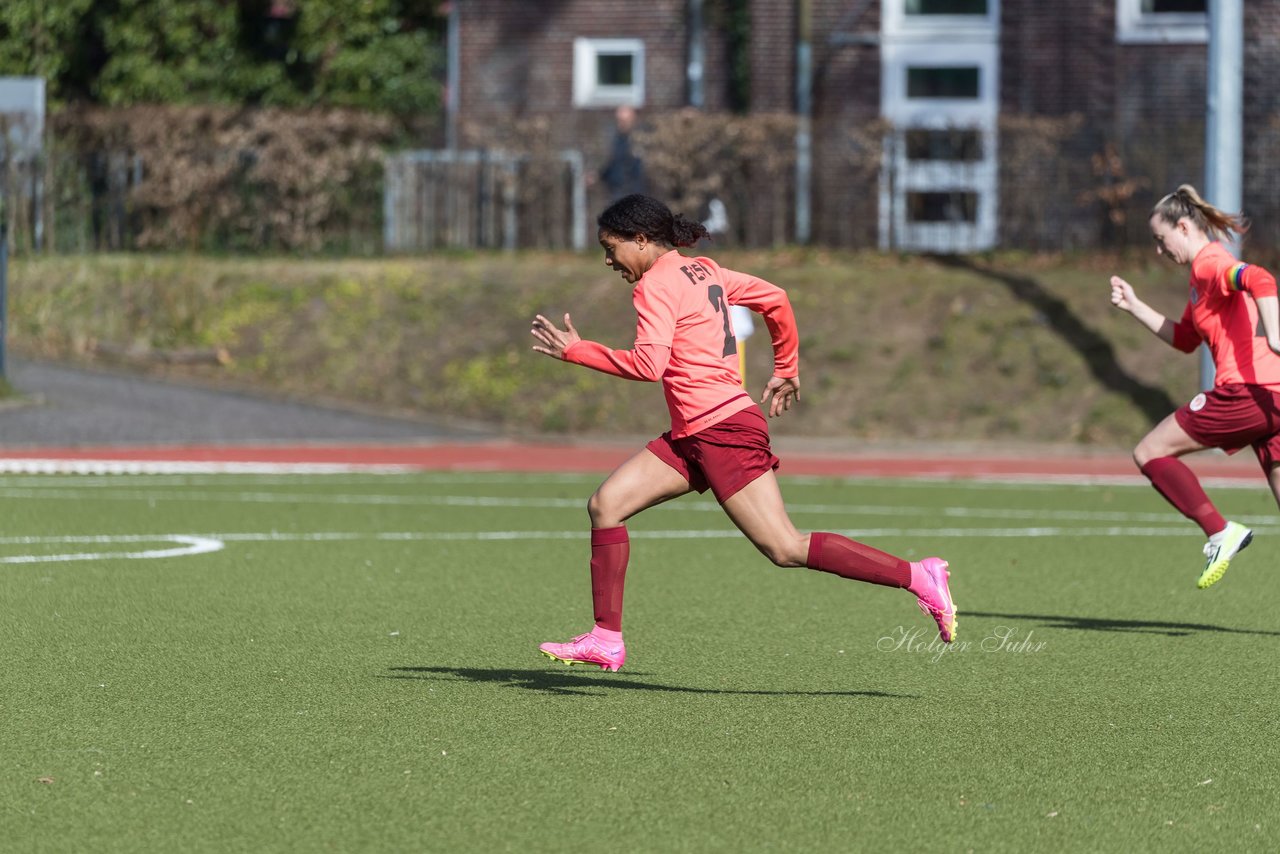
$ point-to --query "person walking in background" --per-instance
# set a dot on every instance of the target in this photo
(1233, 309)
(718, 438)
(623, 173)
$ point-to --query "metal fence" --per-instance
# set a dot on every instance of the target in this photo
(54, 203)
(22, 205)
(483, 200)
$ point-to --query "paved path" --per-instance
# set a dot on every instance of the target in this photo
(68, 406)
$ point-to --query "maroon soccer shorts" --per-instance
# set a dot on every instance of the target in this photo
(724, 457)
(1235, 416)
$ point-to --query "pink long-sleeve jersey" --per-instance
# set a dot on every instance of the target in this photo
(1223, 315)
(684, 337)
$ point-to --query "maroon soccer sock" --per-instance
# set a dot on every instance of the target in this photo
(1180, 487)
(848, 559)
(610, 549)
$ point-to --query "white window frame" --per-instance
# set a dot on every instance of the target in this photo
(1133, 26)
(897, 23)
(938, 112)
(980, 176)
(587, 89)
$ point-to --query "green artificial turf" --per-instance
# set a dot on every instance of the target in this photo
(356, 670)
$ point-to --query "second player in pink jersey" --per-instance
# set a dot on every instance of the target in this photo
(1232, 307)
(718, 439)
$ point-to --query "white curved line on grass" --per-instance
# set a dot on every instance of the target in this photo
(189, 545)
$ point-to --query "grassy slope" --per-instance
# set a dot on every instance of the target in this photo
(1009, 348)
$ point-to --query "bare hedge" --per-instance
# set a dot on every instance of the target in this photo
(214, 177)
(219, 178)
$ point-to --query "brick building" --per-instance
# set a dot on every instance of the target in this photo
(994, 122)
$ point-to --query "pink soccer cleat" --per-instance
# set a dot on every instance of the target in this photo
(929, 583)
(587, 649)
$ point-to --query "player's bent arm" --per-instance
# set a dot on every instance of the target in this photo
(771, 302)
(1261, 285)
(1269, 314)
(1181, 335)
(646, 363)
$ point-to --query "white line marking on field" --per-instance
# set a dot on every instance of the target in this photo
(178, 493)
(214, 541)
(118, 468)
(115, 467)
(1018, 482)
(190, 545)
(196, 544)
(326, 479)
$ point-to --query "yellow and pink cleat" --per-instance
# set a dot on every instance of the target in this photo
(929, 583)
(587, 649)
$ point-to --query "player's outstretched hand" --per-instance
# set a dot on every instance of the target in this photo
(1122, 296)
(779, 393)
(554, 341)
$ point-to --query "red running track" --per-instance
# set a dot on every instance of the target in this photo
(544, 457)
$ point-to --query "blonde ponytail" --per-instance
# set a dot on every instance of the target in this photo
(1186, 202)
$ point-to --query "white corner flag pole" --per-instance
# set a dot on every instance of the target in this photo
(743, 326)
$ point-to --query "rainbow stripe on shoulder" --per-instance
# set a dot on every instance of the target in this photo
(1236, 276)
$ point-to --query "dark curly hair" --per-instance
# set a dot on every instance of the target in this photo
(638, 214)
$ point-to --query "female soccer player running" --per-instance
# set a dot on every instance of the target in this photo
(718, 437)
(1243, 334)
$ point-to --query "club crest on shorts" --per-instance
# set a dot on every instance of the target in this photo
(1197, 403)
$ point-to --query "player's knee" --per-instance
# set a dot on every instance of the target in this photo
(595, 507)
(1143, 454)
(783, 554)
(600, 510)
